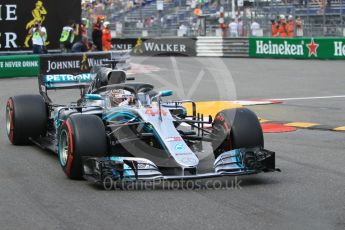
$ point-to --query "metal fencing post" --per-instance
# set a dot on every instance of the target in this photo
(341, 19)
(308, 21)
(324, 19)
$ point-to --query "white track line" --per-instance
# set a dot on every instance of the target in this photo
(306, 98)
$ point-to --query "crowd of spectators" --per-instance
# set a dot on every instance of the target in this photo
(190, 25)
(304, 3)
(287, 28)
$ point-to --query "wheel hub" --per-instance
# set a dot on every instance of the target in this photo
(8, 120)
(64, 147)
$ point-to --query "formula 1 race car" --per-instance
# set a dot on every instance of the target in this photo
(125, 131)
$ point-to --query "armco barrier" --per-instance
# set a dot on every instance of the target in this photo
(74, 63)
(221, 47)
(304, 48)
(19, 66)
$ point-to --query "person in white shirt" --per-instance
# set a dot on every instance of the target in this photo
(183, 29)
(255, 27)
(233, 27)
(39, 36)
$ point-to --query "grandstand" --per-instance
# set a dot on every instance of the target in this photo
(320, 17)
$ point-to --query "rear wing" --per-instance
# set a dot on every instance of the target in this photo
(84, 82)
(65, 81)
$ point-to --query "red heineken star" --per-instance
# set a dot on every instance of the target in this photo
(312, 46)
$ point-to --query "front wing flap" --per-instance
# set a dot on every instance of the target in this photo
(232, 163)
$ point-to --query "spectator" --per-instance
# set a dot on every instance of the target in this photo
(139, 25)
(322, 5)
(329, 2)
(118, 28)
(240, 27)
(106, 37)
(223, 26)
(39, 36)
(183, 30)
(303, 2)
(97, 33)
(255, 27)
(84, 27)
(147, 22)
(81, 46)
(282, 27)
(275, 27)
(98, 7)
(299, 27)
(233, 27)
(68, 35)
(290, 27)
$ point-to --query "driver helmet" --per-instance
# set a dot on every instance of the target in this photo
(120, 97)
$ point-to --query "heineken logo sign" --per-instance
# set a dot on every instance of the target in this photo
(321, 48)
(312, 46)
(339, 48)
(281, 49)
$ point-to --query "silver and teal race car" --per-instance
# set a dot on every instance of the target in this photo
(123, 130)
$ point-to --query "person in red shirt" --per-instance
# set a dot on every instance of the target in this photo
(274, 28)
(106, 37)
(290, 27)
(97, 33)
(83, 27)
(282, 27)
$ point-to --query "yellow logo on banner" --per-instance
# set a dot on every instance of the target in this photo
(137, 47)
(84, 65)
(39, 14)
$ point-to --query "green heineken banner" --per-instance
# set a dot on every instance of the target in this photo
(19, 66)
(306, 48)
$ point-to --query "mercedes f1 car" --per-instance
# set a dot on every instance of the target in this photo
(125, 131)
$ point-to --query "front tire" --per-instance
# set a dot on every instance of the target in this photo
(234, 129)
(26, 117)
(80, 136)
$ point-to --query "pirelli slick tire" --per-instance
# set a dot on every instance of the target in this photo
(80, 136)
(26, 117)
(234, 129)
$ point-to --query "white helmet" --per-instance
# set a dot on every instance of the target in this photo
(282, 16)
(290, 17)
(106, 24)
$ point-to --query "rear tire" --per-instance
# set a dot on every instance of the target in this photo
(80, 136)
(26, 116)
(236, 128)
